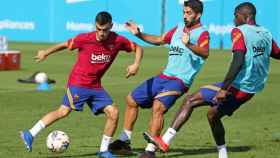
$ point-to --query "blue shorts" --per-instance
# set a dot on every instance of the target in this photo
(232, 102)
(167, 91)
(97, 99)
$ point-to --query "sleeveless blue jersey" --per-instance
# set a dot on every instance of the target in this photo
(182, 62)
(254, 72)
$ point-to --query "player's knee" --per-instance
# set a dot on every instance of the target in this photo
(130, 101)
(113, 113)
(212, 115)
(187, 104)
(158, 109)
(63, 111)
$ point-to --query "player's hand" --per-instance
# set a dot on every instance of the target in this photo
(132, 70)
(132, 27)
(220, 96)
(41, 55)
(186, 38)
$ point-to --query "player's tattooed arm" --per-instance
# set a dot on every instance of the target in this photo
(151, 39)
(43, 54)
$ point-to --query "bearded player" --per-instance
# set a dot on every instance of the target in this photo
(252, 47)
(188, 49)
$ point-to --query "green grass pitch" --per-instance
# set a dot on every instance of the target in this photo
(252, 132)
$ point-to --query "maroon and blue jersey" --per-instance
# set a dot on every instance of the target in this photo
(94, 57)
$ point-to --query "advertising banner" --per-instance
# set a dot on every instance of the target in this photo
(59, 20)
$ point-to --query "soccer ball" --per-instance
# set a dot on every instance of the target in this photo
(41, 77)
(57, 141)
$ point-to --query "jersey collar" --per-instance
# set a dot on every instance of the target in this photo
(188, 29)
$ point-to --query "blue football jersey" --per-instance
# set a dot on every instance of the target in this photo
(182, 62)
(254, 72)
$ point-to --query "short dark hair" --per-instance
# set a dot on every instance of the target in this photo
(246, 8)
(103, 18)
(196, 5)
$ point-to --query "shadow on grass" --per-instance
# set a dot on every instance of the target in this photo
(173, 152)
(178, 152)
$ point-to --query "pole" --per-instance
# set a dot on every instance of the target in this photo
(163, 14)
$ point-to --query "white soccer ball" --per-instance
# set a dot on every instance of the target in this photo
(57, 141)
(41, 77)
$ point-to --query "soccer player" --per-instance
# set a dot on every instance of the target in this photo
(188, 50)
(252, 47)
(97, 50)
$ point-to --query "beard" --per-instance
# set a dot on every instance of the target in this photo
(189, 23)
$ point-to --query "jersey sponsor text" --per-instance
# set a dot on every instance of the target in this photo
(100, 58)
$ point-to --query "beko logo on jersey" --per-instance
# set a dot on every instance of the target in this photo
(100, 58)
(258, 49)
(177, 50)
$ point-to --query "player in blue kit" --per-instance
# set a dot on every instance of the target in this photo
(188, 49)
(252, 47)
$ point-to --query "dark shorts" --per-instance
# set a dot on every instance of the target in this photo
(232, 102)
(76, 97)
(167, 91)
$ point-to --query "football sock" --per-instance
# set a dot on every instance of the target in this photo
(151, 147)
(169, 135)
(222, 151)
(105, 143)
(125, 135)
(37, 128)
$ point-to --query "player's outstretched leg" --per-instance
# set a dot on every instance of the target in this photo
(122, 145)
(190, 102)
(28, 135)
(155, 127)
(218, 131)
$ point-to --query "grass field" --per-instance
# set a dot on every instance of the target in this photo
(252, 132)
